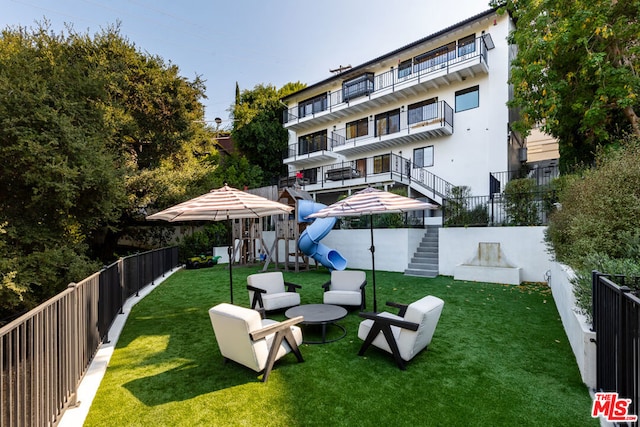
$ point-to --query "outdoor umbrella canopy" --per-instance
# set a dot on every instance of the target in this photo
(371, 201)
(225, 203)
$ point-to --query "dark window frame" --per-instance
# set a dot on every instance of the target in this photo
(461, 93)
(466, 45)
(390, 120)
(422, 151)
(382, 163)
(312, 142)
(361, 128)
(422, 111)
(312, 105)
(405, 68)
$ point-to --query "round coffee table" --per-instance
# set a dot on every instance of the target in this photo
(319, 314)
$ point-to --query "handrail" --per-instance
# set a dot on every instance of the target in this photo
(365, 168)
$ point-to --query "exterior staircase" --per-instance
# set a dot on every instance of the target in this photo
(425, 261)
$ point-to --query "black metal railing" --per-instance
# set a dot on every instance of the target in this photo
(522, 209)
(45, 352)
(541, 175)
(616, 322)
(440, 115)
(371, 170)
(394, 80)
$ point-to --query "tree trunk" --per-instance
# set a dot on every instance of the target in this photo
(630, 114)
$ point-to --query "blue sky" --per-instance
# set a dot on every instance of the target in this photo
(251, 41)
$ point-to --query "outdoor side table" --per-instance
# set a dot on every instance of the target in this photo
(319, 314)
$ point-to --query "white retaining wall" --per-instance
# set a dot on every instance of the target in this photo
(575, 325)
(523, 247)
(394, 248)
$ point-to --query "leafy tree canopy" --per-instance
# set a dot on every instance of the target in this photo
(577, 71)
(258, 132)
(92, 133)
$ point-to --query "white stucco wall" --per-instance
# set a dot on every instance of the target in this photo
(523, 247)
(575, 325)
(394, 248)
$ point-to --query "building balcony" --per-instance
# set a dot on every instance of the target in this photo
(395, 129)
(310, 152)
(433, 121)
(370, 91)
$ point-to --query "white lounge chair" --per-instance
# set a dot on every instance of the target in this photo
(346, 287)
(267, 291)
(244, 337)
(403, 335)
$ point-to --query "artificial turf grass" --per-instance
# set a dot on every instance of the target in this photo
(499, 356)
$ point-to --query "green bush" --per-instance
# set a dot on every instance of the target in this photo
(600, 209)
(596, 225)
(459, 212)
(203, 242)
(582, 286)
(521, 202)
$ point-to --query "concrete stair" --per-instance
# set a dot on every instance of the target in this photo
(425, 260)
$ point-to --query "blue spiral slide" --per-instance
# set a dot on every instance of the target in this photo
(308, 243)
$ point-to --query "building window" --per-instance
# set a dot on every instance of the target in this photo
(436, 57)
(313, 142)
(310, 175)
(467, 45)
(357, 128)
(467, 99)
(404, 68)
(382, 163)
(388, 122)
(312, 105)
(360, 86)
(423, 157)
(423, 111)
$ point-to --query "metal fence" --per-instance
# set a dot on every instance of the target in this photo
(524, 209)
(616, 321)
(45, 352)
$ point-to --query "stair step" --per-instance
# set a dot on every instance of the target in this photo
(422, 266)
(425, 260)
(421, 273)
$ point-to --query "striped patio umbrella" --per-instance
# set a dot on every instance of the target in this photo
(225, 203)
(371, 201)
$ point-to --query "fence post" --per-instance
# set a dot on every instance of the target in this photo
(624, 381)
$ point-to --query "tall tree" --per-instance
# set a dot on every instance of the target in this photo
(258, 132)
(577, 71)
(92, 133)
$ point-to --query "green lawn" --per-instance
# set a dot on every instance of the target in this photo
(499, 356)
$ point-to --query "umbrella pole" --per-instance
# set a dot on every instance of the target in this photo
(230, 251)
(373, 266)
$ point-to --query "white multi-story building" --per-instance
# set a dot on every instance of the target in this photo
(428, 116)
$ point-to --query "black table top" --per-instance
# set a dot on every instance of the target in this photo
(317, 313)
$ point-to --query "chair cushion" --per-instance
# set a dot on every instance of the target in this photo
(347, 280)
(342, 297)
(272, 282)
(280, 300)
(426, 313)
(232, 325)
(379, 341)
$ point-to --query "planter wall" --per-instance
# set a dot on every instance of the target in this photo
(575, 324)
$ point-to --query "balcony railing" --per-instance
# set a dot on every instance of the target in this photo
(393, 80)
(432, 120)
(542, 176)
(370, 170)
(428, 121)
